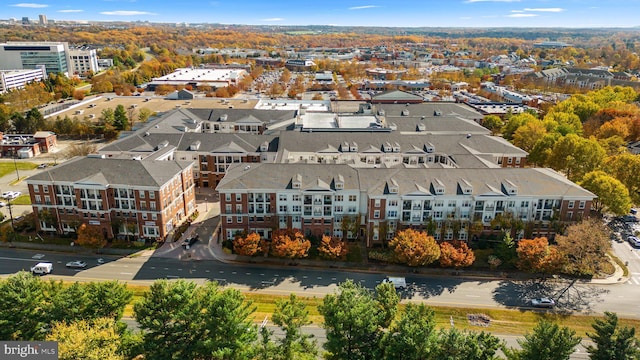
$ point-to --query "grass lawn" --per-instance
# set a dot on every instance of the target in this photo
(9, 167)
(23, 199)
(503, 321)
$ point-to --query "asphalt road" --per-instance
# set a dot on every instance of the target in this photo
(434, 290)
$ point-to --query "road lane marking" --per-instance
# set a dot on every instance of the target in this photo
(123, 273)
(473, 296)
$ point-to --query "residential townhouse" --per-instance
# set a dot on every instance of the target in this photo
(146, 198)
(372, 204)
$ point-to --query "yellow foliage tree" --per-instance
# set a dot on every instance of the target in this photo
(247, 245)
(90, 236)
(289, 244)
(332, 247)
(415, 248)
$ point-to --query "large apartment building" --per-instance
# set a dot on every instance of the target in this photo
(372, 204)
(146, 198)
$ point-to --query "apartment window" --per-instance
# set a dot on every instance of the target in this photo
(393, 202)
(338, 209)
(376, 203)
(524, 204)
(392, 213)
(296, 208)
(239, 219)
(144, 216)
(142, 194)
(376, 214)
(152, 195)
(227, 209)
(238, 197)
(38, 201)
(569, 215)
(229, 219)
(452, 203)
(295, 198)
(438, 203)
(283, 208)
(339, 198)
(582, 204)
(571, 204)
(517, 160)
(227, 197)
(154, 216)
(509, 160)
(352, 198)
(282, 197)
(36, 189)
(45, 189)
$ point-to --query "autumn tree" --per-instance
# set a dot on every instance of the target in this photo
(415, 248)
(528, 134)
(493, 123)
(88, 339)
(248, 245)
(626, 168)
(576, 156)
(82, 149)
(584, 248)
(536, 255)
(456, 254)
(90, 236)
(611, 194)
(332, 247)
(289, 244)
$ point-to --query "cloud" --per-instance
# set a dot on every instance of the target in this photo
(70, 11)
(521, 15)
(127, 13)
(273, 19)
(476, 1)
(544, 9)
(363, 7)
(31, 5)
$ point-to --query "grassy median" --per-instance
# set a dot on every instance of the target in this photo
(503, 321)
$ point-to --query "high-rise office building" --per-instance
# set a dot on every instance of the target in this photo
(43, 19)
(54, 56)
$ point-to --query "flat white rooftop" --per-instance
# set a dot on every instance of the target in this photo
(203, 75)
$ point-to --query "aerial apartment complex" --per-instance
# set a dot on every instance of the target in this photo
(359, 170)
(143, 197)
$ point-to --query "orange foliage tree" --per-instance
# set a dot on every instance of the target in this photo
(332, 247)
(289, 244)
(536, 255)
(248, 245)
(456, 254)
(90, 236)
(415, 248)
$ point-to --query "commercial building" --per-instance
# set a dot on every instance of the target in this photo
(144, 197)
(195, 78)
(84, 61)
(54, 56)
(17, 79)
(25, 146)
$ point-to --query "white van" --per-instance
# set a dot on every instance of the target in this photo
(398, 282)
(42, 268)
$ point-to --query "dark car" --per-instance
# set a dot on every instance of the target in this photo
(188, 242)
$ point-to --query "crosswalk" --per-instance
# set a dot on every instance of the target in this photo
(634, 279)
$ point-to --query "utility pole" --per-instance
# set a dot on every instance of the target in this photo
(16, 166)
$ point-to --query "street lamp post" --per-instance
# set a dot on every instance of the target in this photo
(16, 166)
(13, 225)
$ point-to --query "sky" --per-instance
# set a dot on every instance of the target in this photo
(393, 13)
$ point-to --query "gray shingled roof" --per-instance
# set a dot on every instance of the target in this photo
(529, 181)
(113, 171)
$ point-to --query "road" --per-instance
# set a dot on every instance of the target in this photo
(433, 290)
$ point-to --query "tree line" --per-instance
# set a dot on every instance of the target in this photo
(181, 320)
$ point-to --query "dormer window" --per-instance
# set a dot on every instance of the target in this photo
(296, 182)
(354, 147)
(465, 187)
(509, 187)
(339, 182)
(428, 147)
(393, 186)
(438, 187)
(264, 147)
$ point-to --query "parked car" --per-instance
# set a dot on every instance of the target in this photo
(42, 166)
(188, 242)
(3, 204)
(633, 241)
(77, 264)
(7, 195)
(543, 302)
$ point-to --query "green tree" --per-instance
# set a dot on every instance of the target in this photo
(22, 314)
(107, 116)
(66, 303)
(353, 323)
(626, 168)
(527, 135)
(97, 339)
(563, 123)
(539, 154)
(169, 314)
(291, 315)
(453, 344)
(227, 331)
(493, 123)
(413, 336)
(576, 156)
(388, 300)
(20, 123)
(612, 195)
(612, 342)
(548, 341)
(107, 299)
(120, 119)
(5, 119)
(144, 115)
(515, 122)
